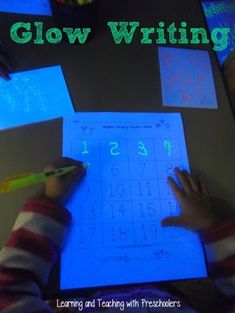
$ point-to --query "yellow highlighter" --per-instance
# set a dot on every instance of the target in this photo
(24, 180)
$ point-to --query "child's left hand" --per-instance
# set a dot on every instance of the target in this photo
(5, 65)
(197, 210)
(59, 188)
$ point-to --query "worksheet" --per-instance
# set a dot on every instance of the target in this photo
(35, 7)
(186, 78)
(34, 96)
(116, 236)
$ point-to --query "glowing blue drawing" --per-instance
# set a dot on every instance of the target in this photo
(34, 96)
(113, 149)
(118, 207)
(34, 7)
(85, 151)
(167, 146)
(142, 149)
(186, 78)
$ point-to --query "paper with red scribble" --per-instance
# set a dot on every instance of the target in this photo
(187, 78)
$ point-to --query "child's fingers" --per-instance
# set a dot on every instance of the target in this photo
(202, 186)
(175, 189)
(173, 221)
(61, 162)
(5, 59)
(6, 63)
(65, 161)
(75, 175)
(61, 186)
(49, 168)
(4, 72)
(194, 183)
(183, 181)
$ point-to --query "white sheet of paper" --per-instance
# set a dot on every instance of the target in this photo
(116, 236)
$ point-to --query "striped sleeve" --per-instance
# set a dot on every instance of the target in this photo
(219, 243)
(27, 257)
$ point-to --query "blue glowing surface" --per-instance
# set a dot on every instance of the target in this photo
(116, 236)
(221, 14)
(35, 7)
(186, 78)
(34, 96)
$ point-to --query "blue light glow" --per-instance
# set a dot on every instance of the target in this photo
(187, 78)
(34, 96)
(118, 207)
(34, 7)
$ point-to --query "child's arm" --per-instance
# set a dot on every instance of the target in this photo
(5, 64)
(30, 252)
(35, 242)
(218, 237)
(219, 243)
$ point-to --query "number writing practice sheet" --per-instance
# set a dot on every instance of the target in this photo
(116, 236)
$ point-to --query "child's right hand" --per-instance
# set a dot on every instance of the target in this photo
(196, 207)
(59, 188)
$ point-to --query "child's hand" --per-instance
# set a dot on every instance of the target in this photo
(59, 188)
(196, 206)
(5, 65)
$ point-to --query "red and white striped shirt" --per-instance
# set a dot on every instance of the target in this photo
(38, 236)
